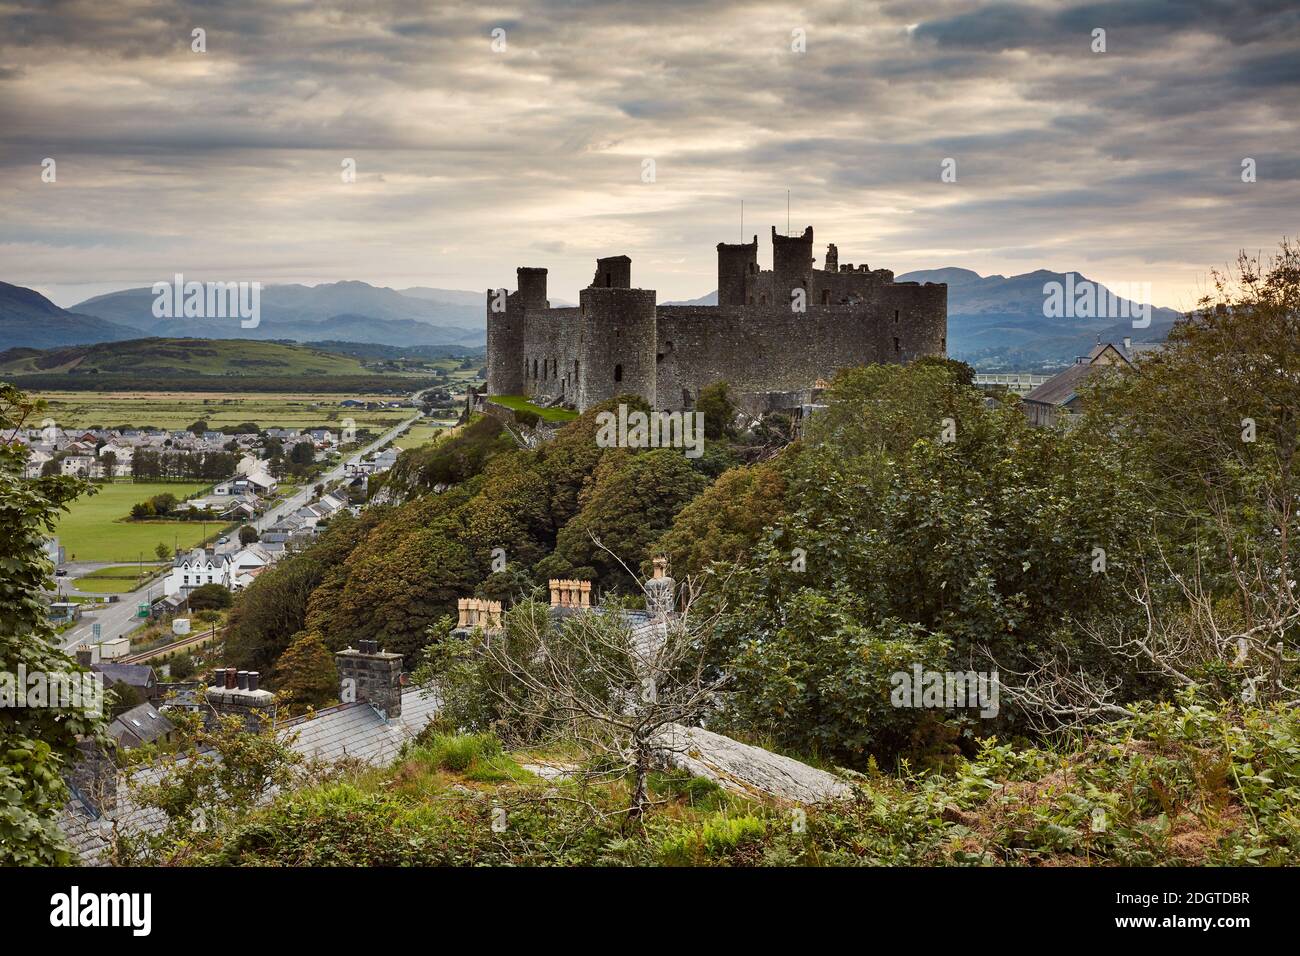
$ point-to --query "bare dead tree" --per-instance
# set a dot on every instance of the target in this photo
(612, 679)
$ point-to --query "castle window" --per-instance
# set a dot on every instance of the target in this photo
(895, 316)
(555, 371)
(618, 373)
(575, 371)
(826, 296)
(534, 369)
(943, 343)
(895, 343)
(544, 363)
(659, 357)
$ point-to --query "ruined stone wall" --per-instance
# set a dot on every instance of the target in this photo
(773, 349)
(550, 349)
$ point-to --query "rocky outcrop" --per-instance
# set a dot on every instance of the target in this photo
(746, 770)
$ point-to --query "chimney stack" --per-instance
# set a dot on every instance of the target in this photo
(569, 593)
(661, 590)
(236, 692)
(371, 675)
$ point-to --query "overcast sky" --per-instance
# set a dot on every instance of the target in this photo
(1124, 165)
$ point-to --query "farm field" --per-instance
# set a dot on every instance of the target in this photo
(174, 410)
(95, 529)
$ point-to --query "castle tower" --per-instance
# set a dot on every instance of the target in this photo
(613, 272)
(735, 261)
(617, 344)
(505, 330)
(532, 287)
(792, 262)
(832, 263)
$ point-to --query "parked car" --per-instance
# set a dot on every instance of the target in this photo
(61, 573)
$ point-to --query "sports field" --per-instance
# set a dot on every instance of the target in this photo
(96, 527)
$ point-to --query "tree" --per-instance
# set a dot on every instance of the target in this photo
(211, 778)
(162, 551)
(1211, 424)
(917, 515)
(247, 534)
(36, 742)
(594, 679)
(715, 404)
(198, 427)
(109, 461)
(210, 597)
(305, 674)
(632, 500)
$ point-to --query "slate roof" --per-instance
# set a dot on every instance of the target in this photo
(1062, 387)
(353, 731)
(139, 725)
(134, 675)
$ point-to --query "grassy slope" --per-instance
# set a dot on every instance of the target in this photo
(96, 529)
(520, 404)
(418, 435)
(183, 357)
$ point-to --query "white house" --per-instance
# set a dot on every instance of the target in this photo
(196, 568)
(35, 463)
(85, 466)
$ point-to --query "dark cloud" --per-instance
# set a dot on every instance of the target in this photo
(471, 161)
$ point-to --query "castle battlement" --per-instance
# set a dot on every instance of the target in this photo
(773, 332)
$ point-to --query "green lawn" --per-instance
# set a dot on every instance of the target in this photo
(520, 404)
(96, 527)
(118, 579)
(418, 435)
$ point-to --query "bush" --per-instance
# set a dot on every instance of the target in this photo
(210, 597)
(720, 836)
(457, 752)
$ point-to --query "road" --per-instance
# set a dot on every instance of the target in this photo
(117, 619)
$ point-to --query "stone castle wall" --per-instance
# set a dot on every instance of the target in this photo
(619, 341)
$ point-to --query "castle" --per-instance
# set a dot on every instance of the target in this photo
(770, 343)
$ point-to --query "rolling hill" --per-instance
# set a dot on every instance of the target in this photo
(29, 320)
(180, 358)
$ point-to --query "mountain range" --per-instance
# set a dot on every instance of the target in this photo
(349, 311)
(994, 322)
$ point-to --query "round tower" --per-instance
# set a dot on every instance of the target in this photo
(616, 345)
